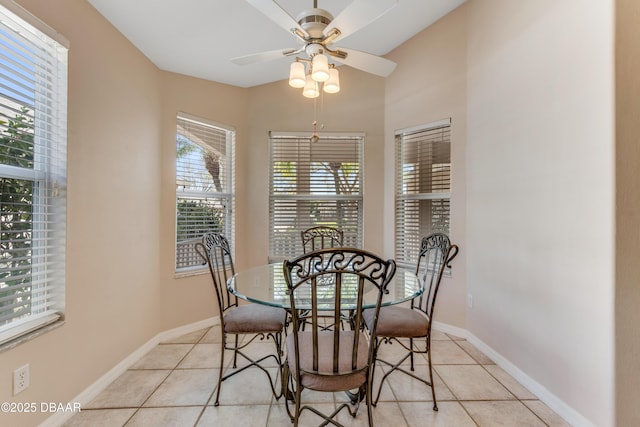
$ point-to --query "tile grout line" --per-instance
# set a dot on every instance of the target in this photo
(272, 404)
(172, 370)
(503, 385)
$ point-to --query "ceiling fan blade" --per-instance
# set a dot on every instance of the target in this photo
(278, 15)
(367, 62)
(359, 14)
(263, 56)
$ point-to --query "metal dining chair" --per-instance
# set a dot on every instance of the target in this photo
(399, 324)
(254, 320)
(321, 237)
(334, 359)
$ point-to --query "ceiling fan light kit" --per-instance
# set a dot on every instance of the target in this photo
(297, 75)
(333, 84)
(317, 30)
(311, 89)
(320, 73)
(320, 68)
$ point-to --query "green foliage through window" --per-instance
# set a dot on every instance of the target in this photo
(204, 184)
(16, 217)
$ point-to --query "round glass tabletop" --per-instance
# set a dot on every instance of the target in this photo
(266, 285)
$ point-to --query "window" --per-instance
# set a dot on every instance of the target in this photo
(314, 183)
(33, 108)
(204, 186)
(423, 186)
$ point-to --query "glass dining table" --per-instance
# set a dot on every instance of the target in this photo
(266, 285)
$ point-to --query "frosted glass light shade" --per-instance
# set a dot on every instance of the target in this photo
(297, 76)
(333, 84)
(310, 88)
(320, 68)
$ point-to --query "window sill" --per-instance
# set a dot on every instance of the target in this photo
(190, 273)
(9, 345)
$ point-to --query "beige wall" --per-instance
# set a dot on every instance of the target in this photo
(529, 88)
(429, 84)
(113, 296)
(189, 299)
(540, 194)
(627, 346)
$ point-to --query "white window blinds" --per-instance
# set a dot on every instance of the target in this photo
(423, 186)
(204, 185)
(33, 108)
(314, 183)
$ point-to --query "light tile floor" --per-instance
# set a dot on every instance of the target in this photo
(174, 384)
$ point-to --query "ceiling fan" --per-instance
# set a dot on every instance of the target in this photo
(317, 30)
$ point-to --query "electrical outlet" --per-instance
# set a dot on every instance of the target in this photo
(20, 379)
(470, 300)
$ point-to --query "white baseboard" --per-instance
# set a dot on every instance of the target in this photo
(94, 389)
(451, 330)
(569, 414)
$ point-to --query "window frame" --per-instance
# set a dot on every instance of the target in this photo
(354, 239)
(406, 246)
(47, 52)
(227, 194)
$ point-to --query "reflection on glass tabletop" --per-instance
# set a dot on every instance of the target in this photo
(265, 284)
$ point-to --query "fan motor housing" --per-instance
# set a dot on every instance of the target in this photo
(314, 21)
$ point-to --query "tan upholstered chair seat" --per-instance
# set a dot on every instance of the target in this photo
(330, 381)
(396, 321)
(254, 318)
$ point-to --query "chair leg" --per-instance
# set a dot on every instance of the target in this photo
(433, 386)
(223, 345)
(235, 352)
(397, 367)
(369, 401)
(376, 344)
(411, 347)
(297, 403)
(277, 338)
(287, 392)
(295, 396)
(272, 381)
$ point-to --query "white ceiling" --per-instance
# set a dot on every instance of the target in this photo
(200, 37)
